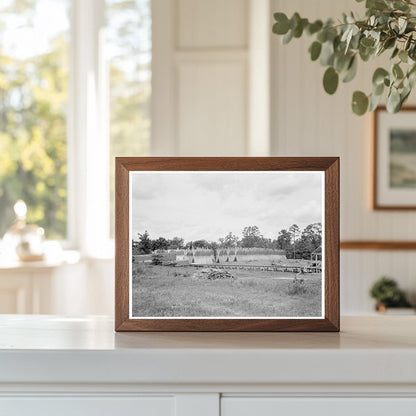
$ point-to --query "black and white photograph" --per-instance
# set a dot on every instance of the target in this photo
(226, 244)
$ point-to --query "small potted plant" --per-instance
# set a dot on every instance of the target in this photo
(387, 294)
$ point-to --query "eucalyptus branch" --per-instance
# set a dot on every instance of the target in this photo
(389, 25)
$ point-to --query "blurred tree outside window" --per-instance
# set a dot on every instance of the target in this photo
(33, 101)
(34, 93)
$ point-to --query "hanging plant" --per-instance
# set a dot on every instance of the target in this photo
(389, 27)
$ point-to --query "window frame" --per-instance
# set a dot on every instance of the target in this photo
(87, 133)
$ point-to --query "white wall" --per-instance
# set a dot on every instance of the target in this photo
(201, 81)
(308, 122)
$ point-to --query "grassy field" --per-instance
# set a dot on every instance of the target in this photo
(173, 291)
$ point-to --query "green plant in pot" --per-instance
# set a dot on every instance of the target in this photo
(389, 27)
(387, 294)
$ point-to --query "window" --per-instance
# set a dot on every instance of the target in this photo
(33, 98)
(75, 87)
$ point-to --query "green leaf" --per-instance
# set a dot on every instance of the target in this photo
(281, 27)
(374, 102)
(351, 71)
(397, 71)
(393, 101)
(327, 53)
(315, 50)
(341, 62)
(314, 27)
(378, 89)
(355, 41)
(400, 5)
(403, 96)
(366, 53)
(367, 42)
(389, 43)
(330, 80)
(359, 103)
(322, 36)
(403, 56)
(376, 4)
(412, 70)
(298, 30)
(366, 48)
(382, 19)
(332, 33)
(379, 75)
(411, 75)
(336, 42)
(395, 52)
(294, 20)
(288, 37)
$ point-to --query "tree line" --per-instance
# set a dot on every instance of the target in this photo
(297, 243)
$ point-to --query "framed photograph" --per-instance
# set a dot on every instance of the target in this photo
(227, 244)
(394, 180)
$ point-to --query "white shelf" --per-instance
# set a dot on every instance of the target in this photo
(52, 349)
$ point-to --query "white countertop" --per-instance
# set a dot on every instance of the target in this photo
(53, 349)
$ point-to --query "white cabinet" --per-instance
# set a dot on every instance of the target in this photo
(270, 406)
(80, 366)
(88, 406)
(203, 405)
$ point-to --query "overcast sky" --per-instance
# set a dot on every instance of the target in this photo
(209, 205)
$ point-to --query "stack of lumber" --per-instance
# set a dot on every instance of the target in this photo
(213, 274)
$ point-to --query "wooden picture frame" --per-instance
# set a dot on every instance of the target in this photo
(129, 168)
(394, 184)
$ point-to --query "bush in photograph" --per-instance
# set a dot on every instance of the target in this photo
(297, 286)
(157, 259)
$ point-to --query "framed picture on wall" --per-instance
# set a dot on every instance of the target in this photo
(227, 244)
(394, 179)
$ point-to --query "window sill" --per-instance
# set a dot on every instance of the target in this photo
(50, 261)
